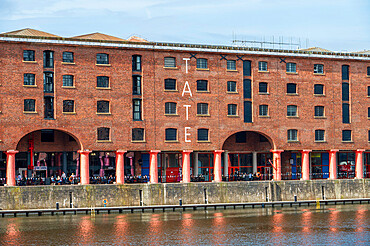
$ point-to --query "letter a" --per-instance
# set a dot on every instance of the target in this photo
(187, 89)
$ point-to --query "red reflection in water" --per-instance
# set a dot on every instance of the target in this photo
(121, 228)
(86, 230)
(219, 228)
(155, 228)
(333, 220)
(277, 220)
(12, 233)
(187, 231)
(306, 221)
(360, 220)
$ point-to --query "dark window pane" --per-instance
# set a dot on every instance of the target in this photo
(202, 63)
(49, 107)
(345, 72)
(202, 134)
(136, 85)
(171, 134)
(368, 71)
(102, 107)
(29, 105)
(48, 82)
(292, 135)
(262, 66)
(48, 59)
(138, 134)
(263, 110)
(247, 70)
(291, 88)
(291, 110)
(28, 55)
(318, 69)
(346, 135)
(103, 134)
(136, 63)
(68, 80)
(202, 85)
(319, 135)
(231, 65)
(319, 111)
(137, 109)
(247, 112)
(262, 87)
(345, 113)
(68, 106)
(169, 62)
(102, 82)
(368, 112)
(291, 67)
(170, 108)
(231, 109)
(102, 58)
(231, 86)
(247, 84)
(345, 91)
(29, 79)
(368, 91)
(170, 84)
(318, 89)
(68, 57)
(47, 135)
(202, 108)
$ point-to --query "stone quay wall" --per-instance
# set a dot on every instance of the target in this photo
(42, 197)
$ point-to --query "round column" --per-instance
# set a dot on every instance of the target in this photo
(276, 168)
(84, 166)
(217, 166)
(186, 166)
(153, 168)
(120, 169)
(333, 164)
(359, 164)
(10, 167)
(306, 164)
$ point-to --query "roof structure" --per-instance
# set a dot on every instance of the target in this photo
(136, 39)
(30, 33)
(98, 36)
(317, 49)
(363, 52)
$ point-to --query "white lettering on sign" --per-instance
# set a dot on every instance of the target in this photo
(187, 134)
(186, 63)
(187, 111)
(186, 89)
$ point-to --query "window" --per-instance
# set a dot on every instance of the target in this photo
(368, 71)
(171, 134)
(247, 68)
(202, 134)
(28, 55)
(202, 108)
(170, 108)
(368, 91)
(292, 135)
(263, 110)
(346, 135)
(48, 59)
(202, 63)
(68, 106)
(247, 86)
(68, 80)
(68, 57)
(345, 91)
(319, 135)
(170, 84)
(291, 88)
(47, 135)
(102, 82)
(169, 62)
(345, 72)
(136, 63)
(319, 111)
(292, 111)
(48, 82)
(202, 85)
(136, 85)
(231, 65)
(318, 69)
(232, 109)
(231, 86)
(48, 107)
(29, 105)
(138, 134)
(262, 66)
(291, 67)
(102, 58)
(103, 134)
(137, 109)
(345, 113)
(247, 112)
(318, 89)
(28, 79)
(368, 112)
(262, 87)
(102, 107)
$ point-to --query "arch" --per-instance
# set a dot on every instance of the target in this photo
(230, 142)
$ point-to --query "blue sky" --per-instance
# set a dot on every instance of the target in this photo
(339, 25)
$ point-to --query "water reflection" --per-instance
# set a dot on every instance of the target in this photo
(86, 230)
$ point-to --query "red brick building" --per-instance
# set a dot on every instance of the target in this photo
(100, 105)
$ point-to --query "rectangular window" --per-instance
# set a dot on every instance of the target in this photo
(368, 91)
(291, 88)
(291, 67)
(247, 84)
(231, 86)
(264, 109)
(318, 89)
(319, 111)
(29, 105)
(231, 65)
(138, 134)
(170, 84)
(202, 85)
(169, 62)
(345, 72)
(345, 91)
(170, 108)
(68, 80)
(319, 135)
(202, 108)
(247, 112)
(103, 134)
(368, 112)
(202, 134)
(318, 69)
(346, 135)
(137, 109)
(102, 82)
(368, 71)
(102, 107)
(136, 63)
(136, 85)
(48, 107)
(247, 68)
(345, 113)
(171, 134)
(232, 109)
(202, 63)
(28, 79)
(47, 136)
(28, 55)
(48, 59)
(292, 110)
(262, 66)
(68, 106)
(48, 82)
(68, 57)
(102, 58)
(262, 87)
(292, 135)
